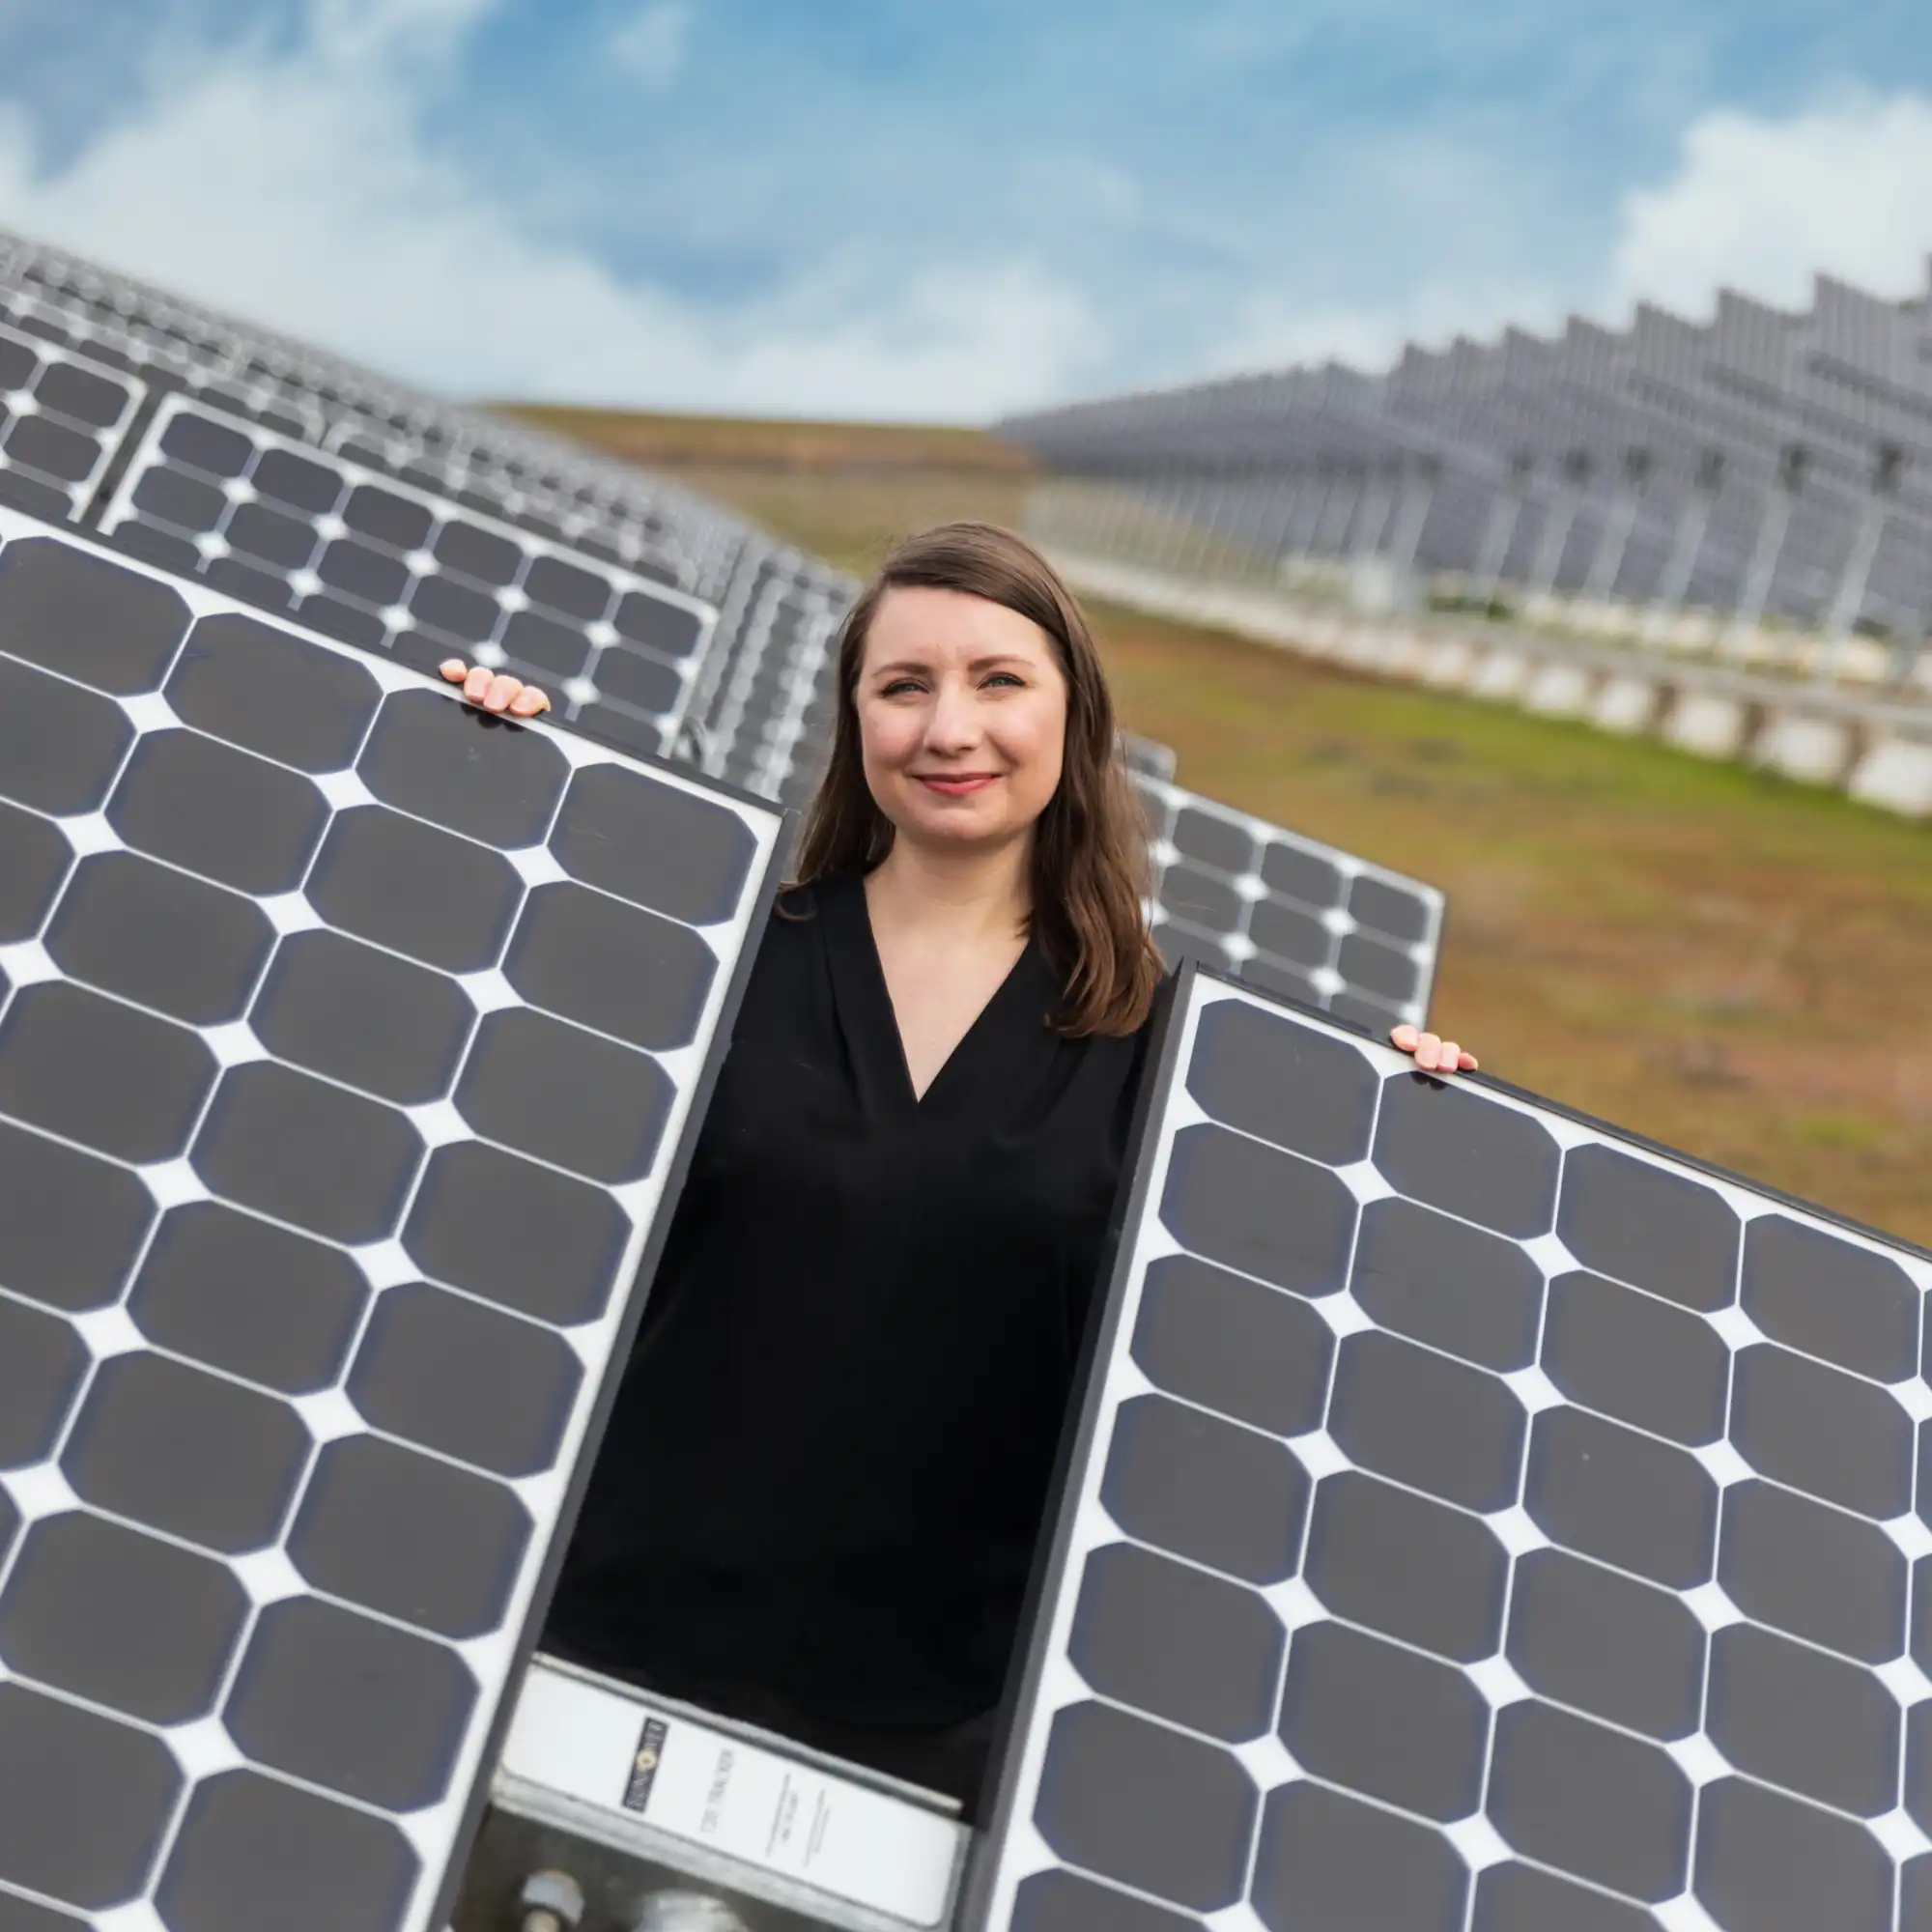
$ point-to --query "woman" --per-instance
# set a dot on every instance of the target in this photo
(818, 1500)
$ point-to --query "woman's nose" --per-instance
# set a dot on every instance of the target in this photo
(953, 724)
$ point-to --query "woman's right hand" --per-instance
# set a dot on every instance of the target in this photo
(495, 689)
(1433, 1054)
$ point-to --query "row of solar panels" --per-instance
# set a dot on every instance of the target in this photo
(1763, 461)
(664, 626)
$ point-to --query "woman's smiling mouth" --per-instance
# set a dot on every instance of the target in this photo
(957, 784)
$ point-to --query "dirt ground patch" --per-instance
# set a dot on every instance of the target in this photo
(1729, 964)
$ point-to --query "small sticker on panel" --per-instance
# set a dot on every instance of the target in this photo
(645, 1762)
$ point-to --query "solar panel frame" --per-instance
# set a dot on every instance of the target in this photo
(128, 523)
(1485, 1854)
(579, 785)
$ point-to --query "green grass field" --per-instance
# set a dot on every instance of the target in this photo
(1736, 965)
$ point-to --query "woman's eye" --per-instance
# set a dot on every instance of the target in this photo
(1004, 678)
(899, 686)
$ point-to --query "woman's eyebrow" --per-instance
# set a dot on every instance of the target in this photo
(975, 664)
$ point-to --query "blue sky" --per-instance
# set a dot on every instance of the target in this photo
(904, 208)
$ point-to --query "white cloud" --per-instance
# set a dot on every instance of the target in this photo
(1844, 188)
(1425, 235)
(299, 188)
(652, 43)
(360, 34)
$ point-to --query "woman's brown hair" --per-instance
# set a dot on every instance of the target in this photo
(1088, 848)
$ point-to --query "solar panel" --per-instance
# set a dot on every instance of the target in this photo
(1147, 756)
(765, 706)
(348, 1044)
(1478, 1521)
(1288, 914)
(376, 562)
(61, 421)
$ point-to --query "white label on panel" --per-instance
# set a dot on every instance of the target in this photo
(733, 1798)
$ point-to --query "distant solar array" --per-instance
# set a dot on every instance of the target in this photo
(1763, 463)
(304, 966)
(1477, 1520)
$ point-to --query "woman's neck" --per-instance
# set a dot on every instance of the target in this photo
(960, 897)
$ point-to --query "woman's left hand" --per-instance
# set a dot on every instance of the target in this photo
(1432, 1053)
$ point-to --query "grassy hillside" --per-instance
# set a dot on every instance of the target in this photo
(1733, 964)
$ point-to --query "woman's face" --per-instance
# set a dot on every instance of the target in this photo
(962, 717)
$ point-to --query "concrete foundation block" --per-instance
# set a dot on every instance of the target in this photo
(1626, 703)
(1409, 651)
(1559, 689)
(1814, 750)
(1707, 723)
(1750, 645)
(1322, 636)
(1447, 663)
(1896, 774)
(1378, 589)
(1844, 660)
(1501, 674)
(1389, 650)
(1692, 631)
(1865, 661)
(1603, 617)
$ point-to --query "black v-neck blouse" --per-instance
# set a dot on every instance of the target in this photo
(829, 1458)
